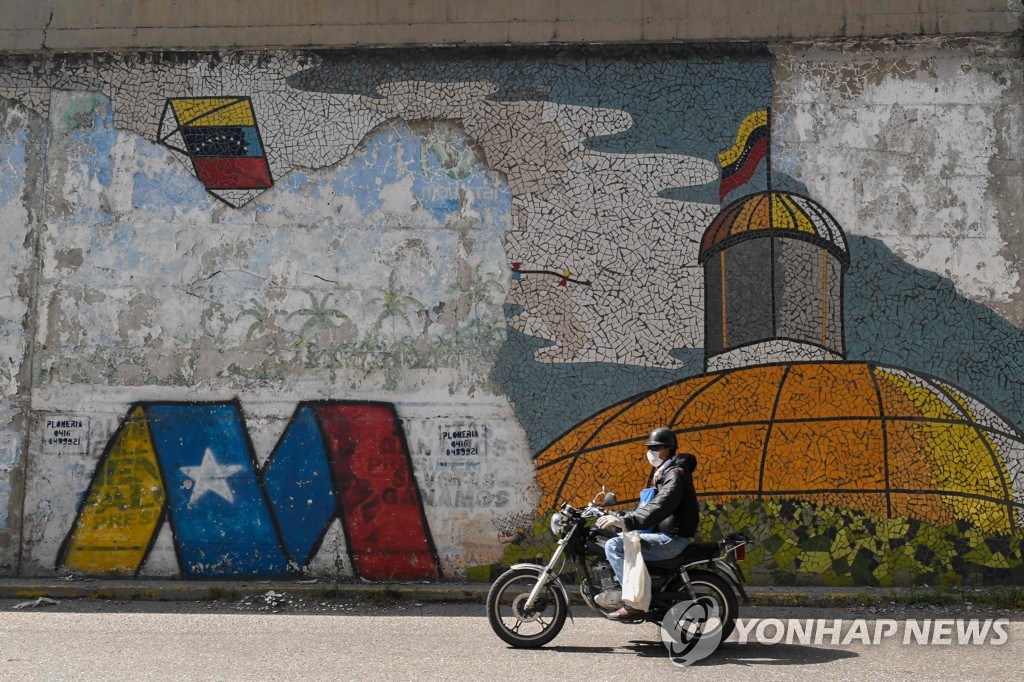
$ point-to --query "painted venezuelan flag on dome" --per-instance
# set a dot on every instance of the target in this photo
(740, 161)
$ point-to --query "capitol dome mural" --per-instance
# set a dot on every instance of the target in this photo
(876, 439)
(773, 266)
(780, 414)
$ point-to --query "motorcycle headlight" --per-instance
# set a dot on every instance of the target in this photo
(558, 523)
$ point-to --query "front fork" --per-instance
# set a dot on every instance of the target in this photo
(542, 577)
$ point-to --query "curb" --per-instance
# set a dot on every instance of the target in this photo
(143, 590)
(211, 590)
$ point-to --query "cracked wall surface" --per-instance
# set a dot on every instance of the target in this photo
(340, 314)
(919, 146)
(19, 140)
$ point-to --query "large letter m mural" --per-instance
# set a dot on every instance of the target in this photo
(193, 465)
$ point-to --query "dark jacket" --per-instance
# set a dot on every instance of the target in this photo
(674, 509)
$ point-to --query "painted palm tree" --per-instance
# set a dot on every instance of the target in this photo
(394, 302)
(491, 336)
(479, 290)
(318, 314)
(260, 313)
(487, 334)
(444, 350)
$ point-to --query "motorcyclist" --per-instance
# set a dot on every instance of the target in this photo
(671, 517)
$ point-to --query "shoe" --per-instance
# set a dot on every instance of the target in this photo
(609, 599)
(625, 613)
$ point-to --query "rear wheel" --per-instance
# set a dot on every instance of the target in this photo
(713, 590)
(514, 623)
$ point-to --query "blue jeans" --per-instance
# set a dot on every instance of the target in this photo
(653, 547)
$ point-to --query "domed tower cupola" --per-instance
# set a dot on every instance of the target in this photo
(773, 282)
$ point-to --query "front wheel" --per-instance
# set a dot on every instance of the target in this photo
(513, 622)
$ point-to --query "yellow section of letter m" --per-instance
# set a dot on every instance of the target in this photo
(122, 508)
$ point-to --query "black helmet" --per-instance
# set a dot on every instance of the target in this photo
(662, 436)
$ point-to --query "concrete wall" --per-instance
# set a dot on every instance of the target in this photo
(371, 314)
(922, 135)
(63, 25)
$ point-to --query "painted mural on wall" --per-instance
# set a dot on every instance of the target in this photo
(219, 136)
(335, 460)
(16, 152)
(779, 415)
(524, 261)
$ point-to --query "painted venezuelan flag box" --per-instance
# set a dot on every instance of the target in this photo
(220, 136)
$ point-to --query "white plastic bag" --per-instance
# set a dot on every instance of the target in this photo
(636, 582)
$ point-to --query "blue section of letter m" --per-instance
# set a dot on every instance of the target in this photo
(298, 483)
(218, 512)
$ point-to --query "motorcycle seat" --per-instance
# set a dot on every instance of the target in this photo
(695, 551)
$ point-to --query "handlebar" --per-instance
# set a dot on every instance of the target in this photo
(591, 511)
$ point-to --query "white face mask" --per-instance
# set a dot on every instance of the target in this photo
(654, 457)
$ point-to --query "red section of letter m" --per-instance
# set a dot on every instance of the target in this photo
(379, 501)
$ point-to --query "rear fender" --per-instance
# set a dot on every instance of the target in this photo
(552, 579)
(726, 569)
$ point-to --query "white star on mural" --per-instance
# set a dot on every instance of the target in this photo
(210, 477)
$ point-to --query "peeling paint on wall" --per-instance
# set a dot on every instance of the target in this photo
(500, 246)
(903, 139)
(18, 177)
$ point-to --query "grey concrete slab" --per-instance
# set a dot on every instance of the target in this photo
(202, 24)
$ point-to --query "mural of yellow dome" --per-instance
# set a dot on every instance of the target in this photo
(780, 212)
(773, 269)
(885, 441)
(780, 412)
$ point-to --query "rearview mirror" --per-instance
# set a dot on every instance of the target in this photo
(609, 500)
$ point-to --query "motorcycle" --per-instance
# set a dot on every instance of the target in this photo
(528, 604)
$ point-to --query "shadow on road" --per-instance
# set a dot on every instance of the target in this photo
(729, 653)
(732, 653)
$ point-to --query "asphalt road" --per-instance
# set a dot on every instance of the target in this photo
(283, 638)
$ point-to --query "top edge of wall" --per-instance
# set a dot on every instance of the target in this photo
(108, 25)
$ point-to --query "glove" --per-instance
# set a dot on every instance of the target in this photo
(610, 521)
